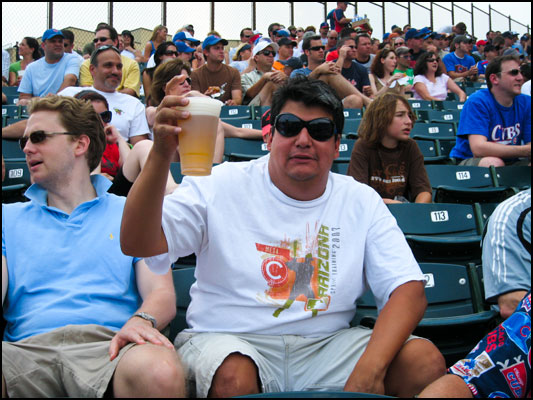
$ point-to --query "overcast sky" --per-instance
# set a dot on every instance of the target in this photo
(21, 19)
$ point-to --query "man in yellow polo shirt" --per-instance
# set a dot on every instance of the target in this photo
(130, 84)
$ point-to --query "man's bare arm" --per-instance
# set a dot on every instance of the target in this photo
(144, 237)
(481, 147)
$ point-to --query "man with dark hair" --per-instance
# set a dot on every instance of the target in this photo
(130, 83)
(285, 299)
(495, 124)
(330, 73)
(460, 64)
(129, 114)
(215, 77)
(81, 316)
(363, 48)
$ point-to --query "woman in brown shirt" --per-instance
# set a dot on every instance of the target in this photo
(385, 157)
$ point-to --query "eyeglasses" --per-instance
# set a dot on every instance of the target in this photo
(268, 53)
(317, 48)
(171, 53)
(432, 59)
(40, 136)
(289, 125)
(188, 80)
(512, 72)
(106, 116)
(100, 39)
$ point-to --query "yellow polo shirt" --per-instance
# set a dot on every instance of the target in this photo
(131, 76)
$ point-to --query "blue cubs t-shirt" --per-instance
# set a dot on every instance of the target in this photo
(457, 64)
(483, 115)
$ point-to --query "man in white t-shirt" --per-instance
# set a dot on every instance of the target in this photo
(129, 115)
(284, 249)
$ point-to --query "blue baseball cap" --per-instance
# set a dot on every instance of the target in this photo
(185, 36)
(413, 33)
(183, 48)
(213, 40)
(50, 33)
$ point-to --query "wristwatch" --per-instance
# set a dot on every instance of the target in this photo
(145, 316)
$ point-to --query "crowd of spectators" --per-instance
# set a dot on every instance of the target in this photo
(300, 73)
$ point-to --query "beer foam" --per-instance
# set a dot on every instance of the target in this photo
(202, 106)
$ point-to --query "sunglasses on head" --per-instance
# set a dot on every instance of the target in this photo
(100, 39)
(289, 125)
(40, 136)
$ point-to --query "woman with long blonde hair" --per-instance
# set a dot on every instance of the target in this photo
(159, 35)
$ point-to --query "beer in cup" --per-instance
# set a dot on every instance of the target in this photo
(198, 135)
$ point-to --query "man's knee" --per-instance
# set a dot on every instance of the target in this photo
(161, 375)
(418, 363)
(488, 161)
(237, 375)
(353, 101)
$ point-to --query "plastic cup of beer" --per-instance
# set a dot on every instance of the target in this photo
(198, 135)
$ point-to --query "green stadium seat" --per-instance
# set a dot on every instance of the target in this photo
(456, 317)
(237, 149)
(245, 123)
(16, 182)
(515, 176)
(440, 232)
(432, 130)
(11, 150)
(465, 184)
(345, 150)
(235, 112)
(183, 279)
(351, 127)
(353, 113)
(430, 151)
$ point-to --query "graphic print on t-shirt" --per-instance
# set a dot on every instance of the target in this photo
(300, 272)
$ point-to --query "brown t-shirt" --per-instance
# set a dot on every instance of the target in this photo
(391, 172)
(227, 78)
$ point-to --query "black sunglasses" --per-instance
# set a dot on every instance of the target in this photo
(268, 53)
(171, 53)
(40, 136)
(512, 72)
(188, 80)
(100, 39)
(106, 116)
(317, 48)
(290, 125)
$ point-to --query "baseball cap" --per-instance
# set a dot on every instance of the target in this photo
(183, 48)
(413, 33)
(324, 25)
(213, 40)
(287, 42)
(282, 33)
(50, 33)
(185, 36)
(463, 39)
(263, 45)
(293, 62)
(481, 43)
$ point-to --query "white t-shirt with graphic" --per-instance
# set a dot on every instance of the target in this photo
(269, 264)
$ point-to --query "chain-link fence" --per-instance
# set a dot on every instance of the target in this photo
(22, 19)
